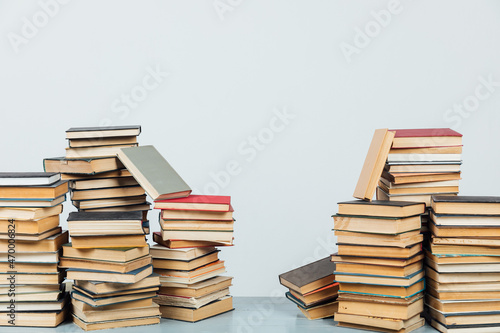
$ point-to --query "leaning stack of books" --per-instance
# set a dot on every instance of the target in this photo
(109, 261)
(98, 180)
(186, 257)
(422, 163)
(30, 240)
(313, 288)
(463, 264)
(379, 266)
(191, 288)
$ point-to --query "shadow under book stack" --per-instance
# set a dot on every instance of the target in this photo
(313, 288)
(379, 265)
(98, 180)
(422, 163)
(187, 259)
(463, 264)
(31, 293)
(110, 264)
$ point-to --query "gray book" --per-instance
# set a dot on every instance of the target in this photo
(153, 173)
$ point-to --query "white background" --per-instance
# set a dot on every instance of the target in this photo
(228, 73)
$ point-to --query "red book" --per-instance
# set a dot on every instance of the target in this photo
(426, 137)
(214, 203)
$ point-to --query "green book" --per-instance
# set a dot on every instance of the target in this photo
(153, 173)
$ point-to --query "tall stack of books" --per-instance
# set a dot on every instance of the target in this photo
(31, 293)
(185, 258)
(98, 180)
(379, 265)
(313, 288)
(109, 261)
(422, 163)
(463, 264)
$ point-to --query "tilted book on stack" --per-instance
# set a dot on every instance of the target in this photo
(31, 293)
(185, 256)
(313, 289)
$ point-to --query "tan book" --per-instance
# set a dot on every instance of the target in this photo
(462, 277)
(109, 202)
(96, 151)
(30, 289)
(394, 168)
(102, 183)
(102, 141)
(428, 150)
(32, 297)
(98, 316)
(37, 318)
(115, 294)
(464, 250)
(370, 322)
(472, 286)
(321, 295)
(105, 276)
(378, 251)
(225, 304)
(38, 226)
(196, 225)
(374, 164)
(394, 262)
(459, 231)
(425, 198)
(381, 208)
(419, 177)
(457, 259)
(410, 328)
(26, 213)
(50, 244)
(225, 237)
(39, 191)
(472, 241)
(161, 252)
(373, 289)
(186, 265)
(418, 190)
(379, 280)
(445, 183)
(33, 237)
(196, 215)
(97, 287)
(97, 302)
(465, 319)
(87, 166)
(401, 240)
(380, 225)
(190, 302)
(141, 303)
(198, 289)
(102, 193)
(101, 265)
(100, 132)
(123, 254)
(453, 306)
(467, 222)
(179, 244)
(32, 278)
(384, 307)
(192, 276)
(28, 267)
(89, 326)
(467, 205)
(379, 270)
(463, 295)
(320, 311)
(86, 242)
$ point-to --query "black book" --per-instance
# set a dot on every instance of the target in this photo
(102, 132)
(309, 277)
(105, 216)
(28, 178)
(381, 208)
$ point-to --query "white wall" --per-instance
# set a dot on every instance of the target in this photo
(226, 79)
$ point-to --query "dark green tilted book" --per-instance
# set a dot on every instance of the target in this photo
(153, 173)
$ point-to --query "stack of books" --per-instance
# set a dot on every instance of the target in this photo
(422, 163)
(31, 293)
(463, 264)
(313, 288)
(109, 261)
(379, 265)
(185, 257)
(98, 180)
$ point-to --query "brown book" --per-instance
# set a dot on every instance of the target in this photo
(381, 208)
(33, 278)
(101, 183)
(379, 270)
(50, 244)
(98, 316)
(428, 150)
(101, 175)
(121, 254)
(27, 267)
(376, 225)
(97, 287)
(468, 205)
(462, 305)
(87, 242)
(464, 250)
(161, 252)
(25, 213)
(91, 326)
(106, 276)
(394, 262)
(186, 265)
(199, 289)
(461, 232)
(374, 164)
(179, 244)
(400, 240)
(373, 289)
(418, 190)
(462, 277)
(168, 214)
(378, 279)
(110, 202)
(383, 307)
(410, 328)
(225, 304)
(461, 319)
(196, 225)
(32, 237)
(36, 318)
(87, 166)
(141, 303)
(102, 141)
(102, 193)
(309, 277)
(191, 276)
(317, 296)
